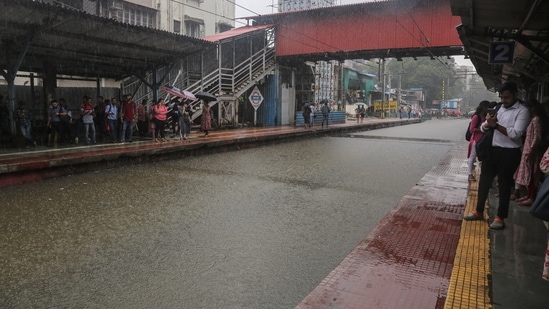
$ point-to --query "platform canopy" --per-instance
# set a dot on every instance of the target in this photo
(523, 24)
(65, 41)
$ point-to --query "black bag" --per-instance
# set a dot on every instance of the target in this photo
(468, 133)
(484, 146)
(540, 207)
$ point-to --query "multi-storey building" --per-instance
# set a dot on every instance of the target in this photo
(296, 5)
(195, 18)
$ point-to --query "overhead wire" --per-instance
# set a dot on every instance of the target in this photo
(212, 13)
(245, 8)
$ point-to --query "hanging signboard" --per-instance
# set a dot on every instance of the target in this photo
(501, 52)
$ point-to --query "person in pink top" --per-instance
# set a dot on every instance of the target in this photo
(160, 112)
(474, 127)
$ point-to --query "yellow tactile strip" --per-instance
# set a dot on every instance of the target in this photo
(469, 284)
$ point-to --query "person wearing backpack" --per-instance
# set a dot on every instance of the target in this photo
(175, 113)
(476, 134)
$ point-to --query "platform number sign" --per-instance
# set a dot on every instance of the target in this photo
(501, 52)
(256, 98)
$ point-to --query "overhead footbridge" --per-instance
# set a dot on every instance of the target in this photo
(380, 29)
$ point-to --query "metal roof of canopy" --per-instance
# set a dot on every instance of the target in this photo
(80, 44)
(524, 22)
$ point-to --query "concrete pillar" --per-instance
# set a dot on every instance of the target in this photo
(49, 76)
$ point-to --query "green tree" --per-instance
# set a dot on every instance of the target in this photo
(430, 74)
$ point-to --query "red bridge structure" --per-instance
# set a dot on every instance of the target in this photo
(389, 29)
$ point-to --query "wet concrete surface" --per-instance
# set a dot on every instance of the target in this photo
(517, 255)
(406, 261)
(257, 228)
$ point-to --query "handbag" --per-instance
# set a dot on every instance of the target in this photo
(484, 146)
(468, 133)
(540, 207)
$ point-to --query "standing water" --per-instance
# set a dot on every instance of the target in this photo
(258, 228)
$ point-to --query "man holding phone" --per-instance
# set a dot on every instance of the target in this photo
(509, 124)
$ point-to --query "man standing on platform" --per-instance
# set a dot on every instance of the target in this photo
(87, 113)
(325, 113)
(142, 119)
(111, 112)
(100, 119)
(509, 124)
(128, 114)
(55, 124)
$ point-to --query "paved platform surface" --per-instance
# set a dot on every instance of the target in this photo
(421, 255)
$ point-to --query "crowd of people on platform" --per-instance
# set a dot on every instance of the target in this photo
(309, 114)
(521, 136)
(106, 121)
(518, 157)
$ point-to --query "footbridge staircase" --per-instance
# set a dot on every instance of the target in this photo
(237, 65)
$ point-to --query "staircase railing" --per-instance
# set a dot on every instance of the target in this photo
(222, 81)
(235, 82)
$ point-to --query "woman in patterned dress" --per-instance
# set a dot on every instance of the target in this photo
(528, 173)
(206, 122)
(544, 168)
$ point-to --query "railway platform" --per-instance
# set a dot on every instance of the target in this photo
(420, 255)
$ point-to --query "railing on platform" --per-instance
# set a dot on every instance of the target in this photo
(227, 82)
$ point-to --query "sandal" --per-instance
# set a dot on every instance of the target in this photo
(521, 199)
(515, 195)
(526, 203)
(472, 177)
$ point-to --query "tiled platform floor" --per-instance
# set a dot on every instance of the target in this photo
(422, 255)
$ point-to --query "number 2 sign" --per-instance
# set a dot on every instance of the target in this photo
(501, 52)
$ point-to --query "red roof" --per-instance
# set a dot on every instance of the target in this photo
(234, 32)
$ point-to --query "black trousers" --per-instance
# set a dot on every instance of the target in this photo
(501, 162)
(160, 127)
